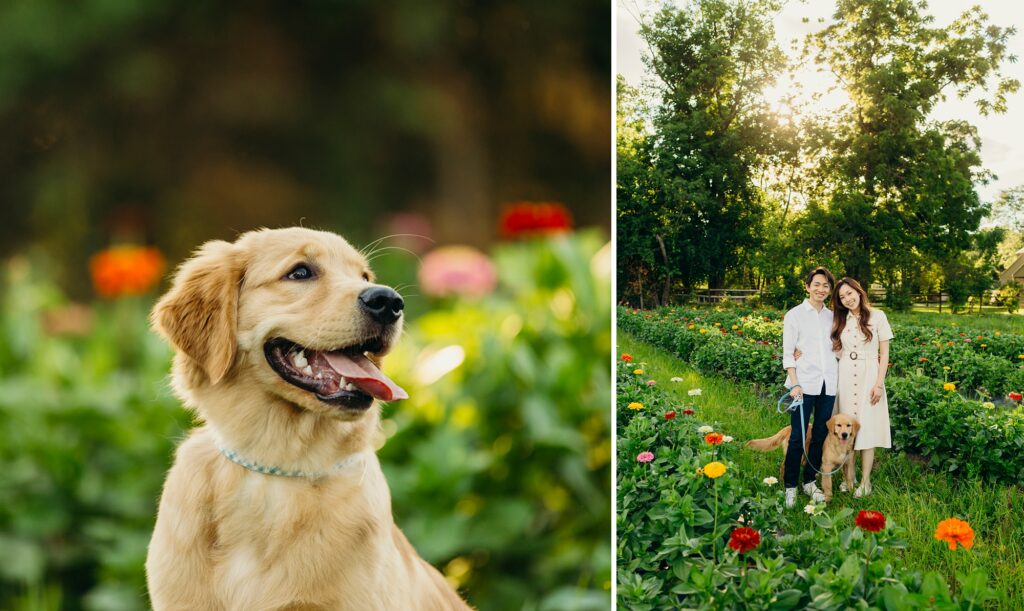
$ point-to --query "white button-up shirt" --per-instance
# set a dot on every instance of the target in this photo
(810, 330)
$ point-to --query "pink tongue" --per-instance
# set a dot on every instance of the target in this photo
(359, 370)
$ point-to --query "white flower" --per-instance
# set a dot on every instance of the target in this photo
(810, 508)
(676, 380)
(770, 481)
(727, 438)
(694, 392)
(705, 429)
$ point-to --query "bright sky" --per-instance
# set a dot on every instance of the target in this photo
(1002, 136)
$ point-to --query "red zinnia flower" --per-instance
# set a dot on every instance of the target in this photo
(627, 357)
(1016, 396)
(713, 438)
(534, 218)
(126, 270)
(744, 539)
(687, 412)
(670, 415)
(872, 521)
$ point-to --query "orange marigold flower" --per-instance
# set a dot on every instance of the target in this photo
(873, 521)
(627, 357)
(713, 438)
(126, 270)
(954, 531)
(534, 218)
(744, 539)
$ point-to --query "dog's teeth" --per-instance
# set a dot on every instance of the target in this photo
(350, 386)
(300, 359)
(308, 370)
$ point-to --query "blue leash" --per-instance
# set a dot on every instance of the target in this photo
(798, 404)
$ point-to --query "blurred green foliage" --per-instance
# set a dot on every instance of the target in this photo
(169, 123)
(499, 467)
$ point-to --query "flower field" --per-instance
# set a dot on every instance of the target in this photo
(498, 463)
(701, 523)
(954, 394)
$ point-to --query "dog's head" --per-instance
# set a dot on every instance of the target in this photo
(843, 427)
(294, 311)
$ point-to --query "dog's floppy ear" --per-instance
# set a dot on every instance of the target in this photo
(198, 315)
(856, 425)
(830, 425)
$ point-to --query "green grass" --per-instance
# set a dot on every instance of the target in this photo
(908, 493)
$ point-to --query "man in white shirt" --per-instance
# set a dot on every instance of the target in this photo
(815, 376)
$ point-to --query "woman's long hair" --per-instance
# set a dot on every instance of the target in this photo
(840, 312)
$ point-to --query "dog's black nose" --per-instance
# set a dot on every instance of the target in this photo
(845, 435)
(382, 304)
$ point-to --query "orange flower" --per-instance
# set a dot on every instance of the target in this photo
(627, 357)
(534, 218)
(954, 531)
(126, 270)
(713, 438)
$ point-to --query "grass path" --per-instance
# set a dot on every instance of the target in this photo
(908, 493)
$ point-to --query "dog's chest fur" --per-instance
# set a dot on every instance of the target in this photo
(280, 540)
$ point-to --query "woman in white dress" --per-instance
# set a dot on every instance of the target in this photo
(860, 339)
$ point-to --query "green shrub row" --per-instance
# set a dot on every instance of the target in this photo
(766, 325)
(954, 433)
(674, 523)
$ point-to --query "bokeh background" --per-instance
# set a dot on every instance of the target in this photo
(466, 145)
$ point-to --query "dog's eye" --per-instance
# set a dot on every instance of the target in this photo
(300, 272)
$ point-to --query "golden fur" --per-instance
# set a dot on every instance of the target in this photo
(230, 538)
(835, 452)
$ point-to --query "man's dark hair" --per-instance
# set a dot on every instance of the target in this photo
(824, 272)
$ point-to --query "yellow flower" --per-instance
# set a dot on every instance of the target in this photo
(700, 471)
(1020, 356)
(946, 368)
(734, 327)
(702, 331)
(714, 470)
(638, 372)
(988, 405)
(690, 326)
(984, 345)
(636, 406)
(718, 324)
(949, 386)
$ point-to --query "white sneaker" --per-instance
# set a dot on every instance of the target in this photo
(790, 497)
(843, 487)
(862, 490)
(814, 492)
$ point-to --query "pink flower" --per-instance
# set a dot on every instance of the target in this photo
(645, 457)
(651, 382)
(457, 270)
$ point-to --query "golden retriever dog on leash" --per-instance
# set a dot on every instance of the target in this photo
(278, 501)
(838, 449)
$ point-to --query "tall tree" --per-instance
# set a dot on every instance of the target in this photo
(901, 185)
(712, 59)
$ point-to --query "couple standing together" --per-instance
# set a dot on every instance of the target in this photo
(836, 360)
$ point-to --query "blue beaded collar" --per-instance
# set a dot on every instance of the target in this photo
(258, 468)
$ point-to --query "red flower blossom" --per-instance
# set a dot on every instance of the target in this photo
(1016, 396)
(670, 415)
(627, 357)
(534, 218)
(687, 412)
(126, 270)
(713, 438)
(744, 539)
(872, 521)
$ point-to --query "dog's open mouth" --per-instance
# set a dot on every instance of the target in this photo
(344, 376)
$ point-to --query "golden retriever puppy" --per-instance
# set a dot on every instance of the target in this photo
(837, 450)
(278, 501)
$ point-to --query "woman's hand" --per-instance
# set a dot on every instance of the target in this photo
(876, 394)
(796, 392)
(797, 354)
